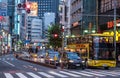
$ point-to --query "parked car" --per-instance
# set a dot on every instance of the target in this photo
(33, 55)
(42, 55)
(52, 58)
(71, 59)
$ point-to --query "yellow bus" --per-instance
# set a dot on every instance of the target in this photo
(97, 50)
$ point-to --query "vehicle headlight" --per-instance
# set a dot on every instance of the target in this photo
(71, 61)
(83, 61)
(60, 61)
(51, 59)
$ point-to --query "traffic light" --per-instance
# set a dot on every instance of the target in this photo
(55, 35)
(28, 6)
(25, 6)
(28, 10)
(19, 5)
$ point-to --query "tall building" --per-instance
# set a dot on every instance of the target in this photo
(76, 16)
(34, 29)
(106, 12)
(48, 20)
(89, 20)
(47, 6)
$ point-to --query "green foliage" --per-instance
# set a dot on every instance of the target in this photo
(55, 41)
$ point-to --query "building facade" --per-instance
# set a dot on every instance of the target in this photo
(110, 11)
(76, 16)
(34, 29)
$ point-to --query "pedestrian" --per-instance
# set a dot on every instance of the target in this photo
(30, 50)
(119, 58)
(36, 50)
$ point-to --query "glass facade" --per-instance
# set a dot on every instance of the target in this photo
(89, 15)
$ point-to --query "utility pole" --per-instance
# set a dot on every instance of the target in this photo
(115, 2)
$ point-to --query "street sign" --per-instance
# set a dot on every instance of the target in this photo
(3, 9)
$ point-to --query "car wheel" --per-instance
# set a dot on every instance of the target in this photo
(107, 68)
(67, 66)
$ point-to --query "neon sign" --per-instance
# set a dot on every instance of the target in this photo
(110, 24)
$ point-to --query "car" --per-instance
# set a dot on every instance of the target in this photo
(33, 55)
(42, 55)
(71, 60)
(52, 58)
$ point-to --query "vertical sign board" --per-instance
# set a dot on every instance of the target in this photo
(33, 9)
(3, 9)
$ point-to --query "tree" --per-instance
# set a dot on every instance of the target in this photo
(54, 36)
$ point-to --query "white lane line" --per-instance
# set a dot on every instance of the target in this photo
(33, 75)
(9, 63)
(104, 73)
(21, 75)
(82, 73)
(93, 73)
(74, 75)
(58, 74)
(45, 74)
(8, 75)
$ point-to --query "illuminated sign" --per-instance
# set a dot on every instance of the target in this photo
(110, 24)
(33, 9)
(75, 24)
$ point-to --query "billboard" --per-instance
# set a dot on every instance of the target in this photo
(33, 9)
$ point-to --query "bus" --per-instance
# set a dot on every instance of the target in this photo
(97, 50)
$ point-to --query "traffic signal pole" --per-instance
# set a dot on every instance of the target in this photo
(115, 2)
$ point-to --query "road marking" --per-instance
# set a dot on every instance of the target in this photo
(82, 73)
(33, 75)
(92, 73)
(21, 75)
(45, 74)
(69, 74)
(58, 74)
(113, 72)
(10, 63)
(8, 75)
(104, 73)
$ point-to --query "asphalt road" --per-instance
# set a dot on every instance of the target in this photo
(11, 67)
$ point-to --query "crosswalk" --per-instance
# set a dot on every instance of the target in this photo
(63, 74)
(9, 59)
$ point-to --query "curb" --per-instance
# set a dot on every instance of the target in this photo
(51, 66)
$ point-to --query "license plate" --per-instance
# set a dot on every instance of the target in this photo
(104, 65)
(77, 64)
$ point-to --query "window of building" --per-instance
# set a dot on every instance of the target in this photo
(106, 5)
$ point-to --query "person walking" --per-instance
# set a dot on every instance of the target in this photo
(36, 50)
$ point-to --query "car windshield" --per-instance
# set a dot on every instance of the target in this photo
(73, 56)
(54, 54)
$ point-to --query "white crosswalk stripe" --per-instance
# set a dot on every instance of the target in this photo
(7, 59)
(58, 74)
(8, 75)
(93, 73)
(33, 75)
(46, 75)
(105, 73)
(64, 74)
(70, 74)
(21, 75)
(81, 73)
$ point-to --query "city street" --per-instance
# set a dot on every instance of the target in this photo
(11, 67)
